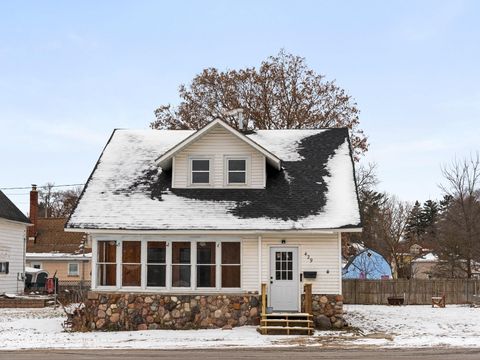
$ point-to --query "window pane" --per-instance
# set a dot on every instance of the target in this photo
(156, 252)
(206, 252)
(236, 178)
(73, 269)
(230, 253)
(181, 252)
(206, 276)
(131, 252)
(156, 275)
(131, 275)
(181, 275)
(201, 165)
(230, 276)
(200, 177)
(107, 274)
(236, 165)
(107, 251)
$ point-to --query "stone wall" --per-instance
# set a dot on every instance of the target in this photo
(119, 311)
(327, 311)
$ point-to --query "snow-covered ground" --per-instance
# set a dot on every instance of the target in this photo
(383, 326)
(416, 325)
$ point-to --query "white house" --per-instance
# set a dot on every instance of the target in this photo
(13, 232)
(214, 214)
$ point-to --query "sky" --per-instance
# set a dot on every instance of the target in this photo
(71, 72)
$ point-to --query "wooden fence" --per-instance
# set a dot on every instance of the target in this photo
(416, 291)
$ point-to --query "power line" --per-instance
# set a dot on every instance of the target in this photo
(40, 187)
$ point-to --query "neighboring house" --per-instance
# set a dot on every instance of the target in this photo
(369, 265)
(423, 267)
(13, 230)
(202, 219)
(58, 252)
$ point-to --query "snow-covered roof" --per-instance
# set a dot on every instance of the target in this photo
(315, 189)
(430, 257)
(57, 256)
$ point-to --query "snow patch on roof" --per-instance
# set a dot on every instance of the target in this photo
(283, 143)
(430, 257)
(111, 202)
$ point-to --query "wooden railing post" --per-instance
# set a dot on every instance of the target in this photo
(264, 299)
(308, 298)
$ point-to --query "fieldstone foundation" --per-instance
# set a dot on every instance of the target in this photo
(115, 311)
(327, 311)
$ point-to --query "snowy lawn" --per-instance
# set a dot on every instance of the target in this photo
(383, 326)
(415, 325)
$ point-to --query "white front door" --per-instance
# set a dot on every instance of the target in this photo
(284, 279)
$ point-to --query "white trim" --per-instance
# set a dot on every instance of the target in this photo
(226, 170)
(214, 232)
(276, 162)
(340, 284)
(78, 269)
(299, 269)
(193, 289)
(211, 173)
(259, 250)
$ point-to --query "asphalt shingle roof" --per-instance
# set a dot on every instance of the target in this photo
(9, 211)
(315, 189)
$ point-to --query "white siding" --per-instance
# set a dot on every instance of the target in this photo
(12, 249)
(324, 250)
(217, 144)
(250, 280)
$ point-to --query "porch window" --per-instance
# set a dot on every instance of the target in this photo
(230, 264)
(181, 264)
(156, 263)
(200, 171)
(237, 171)
(107, 263)
(206, 268)
(131, 263)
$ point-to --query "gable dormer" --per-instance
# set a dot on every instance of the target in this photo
(218, 156)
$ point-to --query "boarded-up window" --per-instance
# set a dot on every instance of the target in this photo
(131, 263)
(230, 264)
(106, 263)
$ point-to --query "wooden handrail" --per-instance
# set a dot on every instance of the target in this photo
(308, 298)
(264, 299)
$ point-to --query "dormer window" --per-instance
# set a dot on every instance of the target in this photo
(200, 174)
(236, 171)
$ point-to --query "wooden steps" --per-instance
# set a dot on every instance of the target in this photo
(286, 324)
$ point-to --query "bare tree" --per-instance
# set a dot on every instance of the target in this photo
(391, 224)
(283, 93)
(57, 203)
(459, 225)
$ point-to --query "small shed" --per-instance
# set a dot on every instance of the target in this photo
(367, 264)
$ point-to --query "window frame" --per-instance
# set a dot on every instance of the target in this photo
(4, 267)
(118, 261)
(193, 288)
(77, 273)
(191, 159)
(226, 174)
(120, 265)
(145, 265)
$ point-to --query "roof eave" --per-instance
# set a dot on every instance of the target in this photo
(166, 157)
